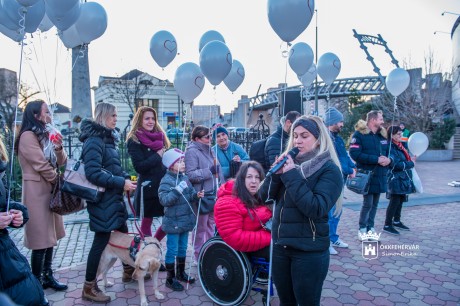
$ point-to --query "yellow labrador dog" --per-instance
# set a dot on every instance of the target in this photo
(147, 261)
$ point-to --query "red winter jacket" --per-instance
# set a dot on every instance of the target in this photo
(236, 227)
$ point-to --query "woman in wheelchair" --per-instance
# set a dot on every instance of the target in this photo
(240, 214)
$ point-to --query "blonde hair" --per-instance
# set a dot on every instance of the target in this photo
(103, 111)
(137, 124)
(325, 144)
(3, 152)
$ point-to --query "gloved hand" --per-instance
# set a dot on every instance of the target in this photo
(181, 187)
(215, 169)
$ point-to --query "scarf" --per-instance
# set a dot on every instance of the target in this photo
(152, 140)
(401, 147)
(310, 162)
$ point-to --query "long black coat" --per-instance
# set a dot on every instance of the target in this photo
(365, 149)
(273, 145)
(400, 174)
(149, 167)
(16, 278)
(300, 219)
(103, 168)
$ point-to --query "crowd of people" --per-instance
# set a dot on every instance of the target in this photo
(206, 190)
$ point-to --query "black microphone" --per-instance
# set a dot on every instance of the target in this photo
(278, 166)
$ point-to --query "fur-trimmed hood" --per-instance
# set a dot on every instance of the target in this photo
(90, 128)
(361, 126)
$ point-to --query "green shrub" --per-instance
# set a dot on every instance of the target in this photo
(441, 133)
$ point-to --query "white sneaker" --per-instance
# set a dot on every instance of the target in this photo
(372, 230)
(339, 244)
(332, 251)
(361, 232)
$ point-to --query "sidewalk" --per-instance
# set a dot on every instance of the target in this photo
(427, 275)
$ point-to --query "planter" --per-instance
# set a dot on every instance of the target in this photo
(436, 155)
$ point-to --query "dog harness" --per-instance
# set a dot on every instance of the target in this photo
(135, 246)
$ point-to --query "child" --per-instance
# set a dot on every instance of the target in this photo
(176, 195)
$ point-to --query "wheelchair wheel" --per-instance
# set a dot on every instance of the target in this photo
(224, 273)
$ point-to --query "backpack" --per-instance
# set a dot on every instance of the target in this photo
(257, 153)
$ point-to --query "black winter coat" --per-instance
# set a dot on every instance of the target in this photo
(16, 278)
(365, 149)
(149, 167)
(400, 175)
(273, 145)
(103, 168)
(300, 220)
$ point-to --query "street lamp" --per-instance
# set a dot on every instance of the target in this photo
(443, 32)
(446, 12)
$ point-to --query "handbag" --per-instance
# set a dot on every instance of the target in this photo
(207, 203)
(361, 182)
(400, 183)
(63, 203)
(76, 183)
(234, 167)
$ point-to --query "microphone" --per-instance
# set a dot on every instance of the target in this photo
(294, 151)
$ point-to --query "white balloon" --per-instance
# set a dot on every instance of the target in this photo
(235, 77)
(418, 143)
(300, 58)
(189, 81)
(63, 20)
(163, 48)
(70, 37)
(397, 81)
(45, 24)
(308, 78)
(61, 7)
(289, 18)
(92, 22)
(215, 61)
(210, 36)
(328, 67)
(27, 2)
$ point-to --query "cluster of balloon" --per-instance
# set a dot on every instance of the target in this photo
(418, 143)
(290, 18)
(235, 77)
(163, 48)
(397, 81)
(329, 67)
(307, 78)
(300, 58)
(189, 81)
(77, 23)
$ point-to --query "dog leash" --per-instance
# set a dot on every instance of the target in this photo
(134, 214)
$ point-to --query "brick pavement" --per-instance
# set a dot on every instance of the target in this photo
(429, 277)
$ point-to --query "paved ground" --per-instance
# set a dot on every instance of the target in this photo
(426, 275)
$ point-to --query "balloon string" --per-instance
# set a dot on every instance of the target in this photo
(22, 21)
(395, 108)
(284, 53)
(10, 181)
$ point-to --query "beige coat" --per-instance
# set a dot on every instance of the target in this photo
(44, 228)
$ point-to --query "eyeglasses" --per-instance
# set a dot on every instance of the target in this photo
(206, 136)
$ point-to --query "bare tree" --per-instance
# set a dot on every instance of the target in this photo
(130, 88)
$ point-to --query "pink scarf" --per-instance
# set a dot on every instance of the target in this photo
(152, 140)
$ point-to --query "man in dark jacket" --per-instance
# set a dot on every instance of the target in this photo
(368, 148)
(333, 119)
(273, 146)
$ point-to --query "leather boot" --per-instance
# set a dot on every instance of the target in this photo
(180, 271)
(48, 279)
(127, 274)
(171, 281)
(162, 268)
(36, 263)
(91, 292)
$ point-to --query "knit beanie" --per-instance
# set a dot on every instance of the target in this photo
(171, 156)
(332, 116)
(218, 130)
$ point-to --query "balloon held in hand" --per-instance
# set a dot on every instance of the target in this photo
(293, 153)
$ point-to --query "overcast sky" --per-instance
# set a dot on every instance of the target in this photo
(406, 25)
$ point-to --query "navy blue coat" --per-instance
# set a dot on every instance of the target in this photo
(365, 149)
(103, 168)
(273, 145)
(400, 174)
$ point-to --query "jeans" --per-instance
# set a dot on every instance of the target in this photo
(369, 210)
(101, 239)
(176, 245)
(394, 208)
(204, 231)
(299, 275)
(333, 224)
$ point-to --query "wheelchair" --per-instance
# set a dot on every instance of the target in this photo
(227, 276)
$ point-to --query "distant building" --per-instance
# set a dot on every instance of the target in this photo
(206, 115)
(137, 88)
(61, 116)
